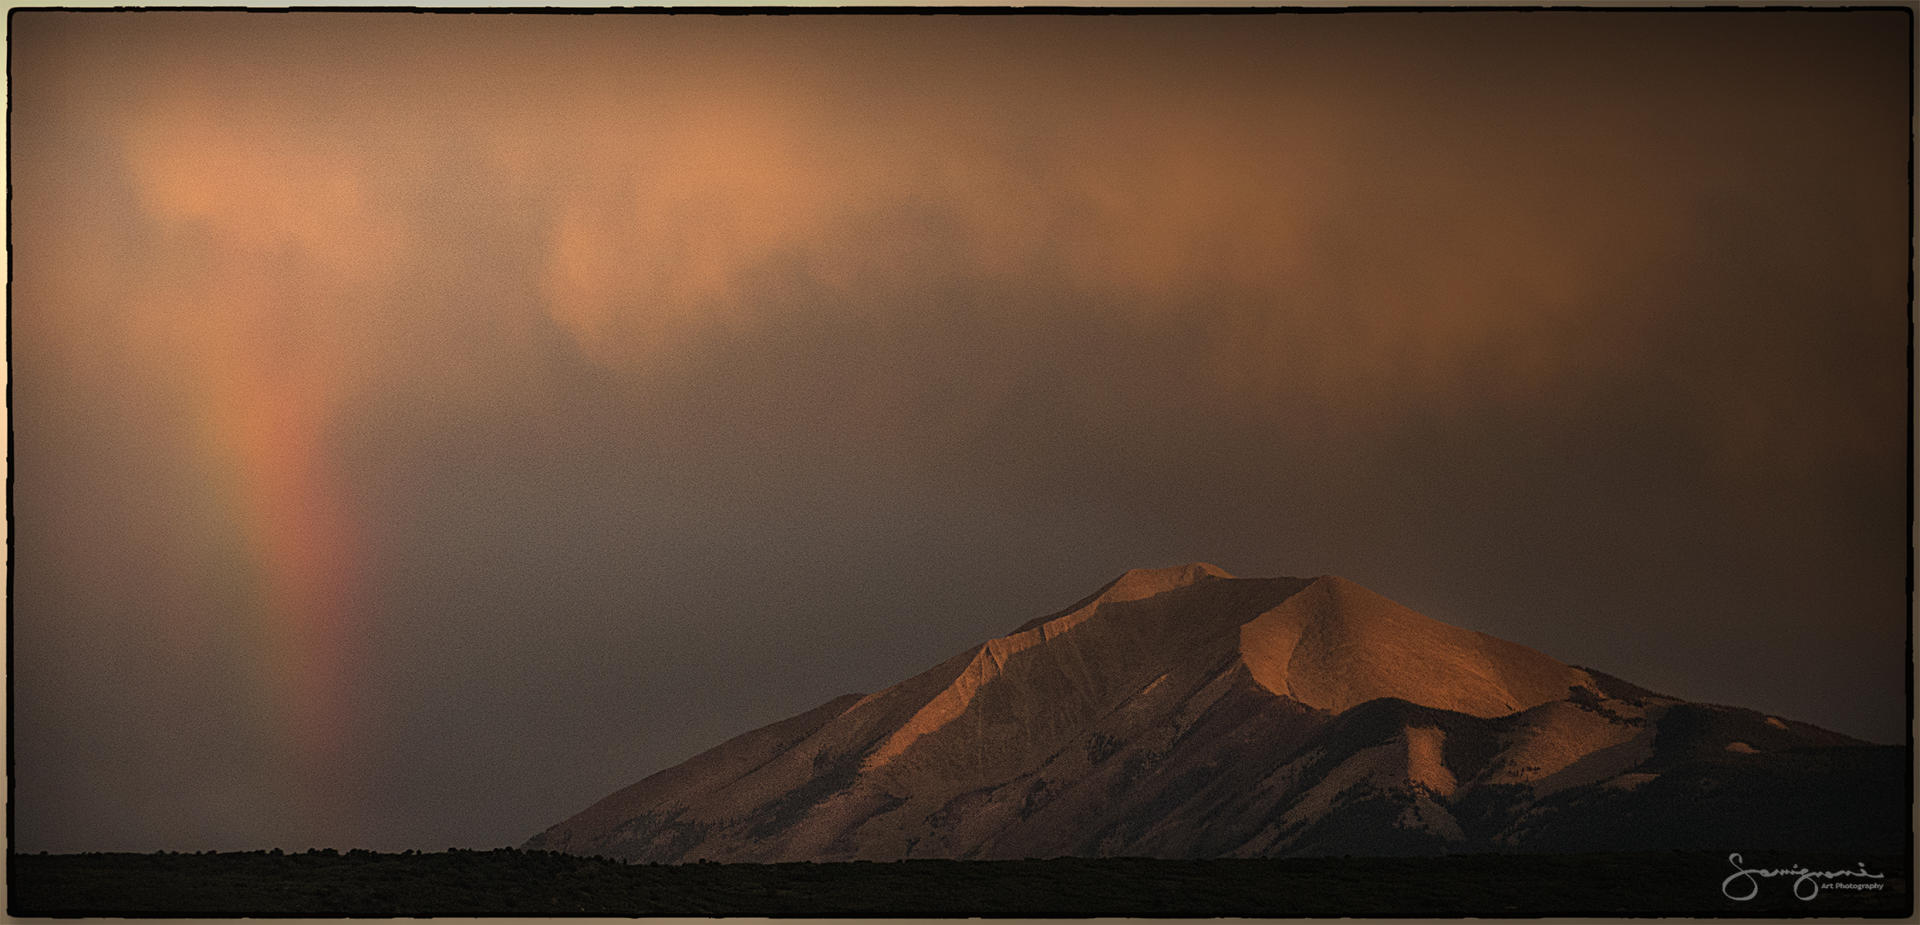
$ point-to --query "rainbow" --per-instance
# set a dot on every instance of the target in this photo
(265, 421)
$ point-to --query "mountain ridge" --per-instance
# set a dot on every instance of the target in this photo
(1185, 712)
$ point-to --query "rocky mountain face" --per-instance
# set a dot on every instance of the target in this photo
(1183, 712)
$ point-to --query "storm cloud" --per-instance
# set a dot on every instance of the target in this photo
(425, 424)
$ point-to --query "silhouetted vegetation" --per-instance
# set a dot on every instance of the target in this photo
(537, 883)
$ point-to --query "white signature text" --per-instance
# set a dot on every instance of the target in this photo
(1745, 882)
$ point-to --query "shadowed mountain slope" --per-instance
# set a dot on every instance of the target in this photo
(1183, 712)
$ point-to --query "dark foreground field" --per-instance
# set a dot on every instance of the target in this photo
(520, 883)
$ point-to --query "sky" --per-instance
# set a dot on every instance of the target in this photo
(425, 425)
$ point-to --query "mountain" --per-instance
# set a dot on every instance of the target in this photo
(1183, 712)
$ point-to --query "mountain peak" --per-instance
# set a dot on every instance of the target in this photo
(1138, 583)
(1337, 644)
(1131, 585)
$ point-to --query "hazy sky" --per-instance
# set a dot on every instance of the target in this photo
(424, 425)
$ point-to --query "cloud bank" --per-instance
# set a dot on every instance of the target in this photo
(425, 423)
